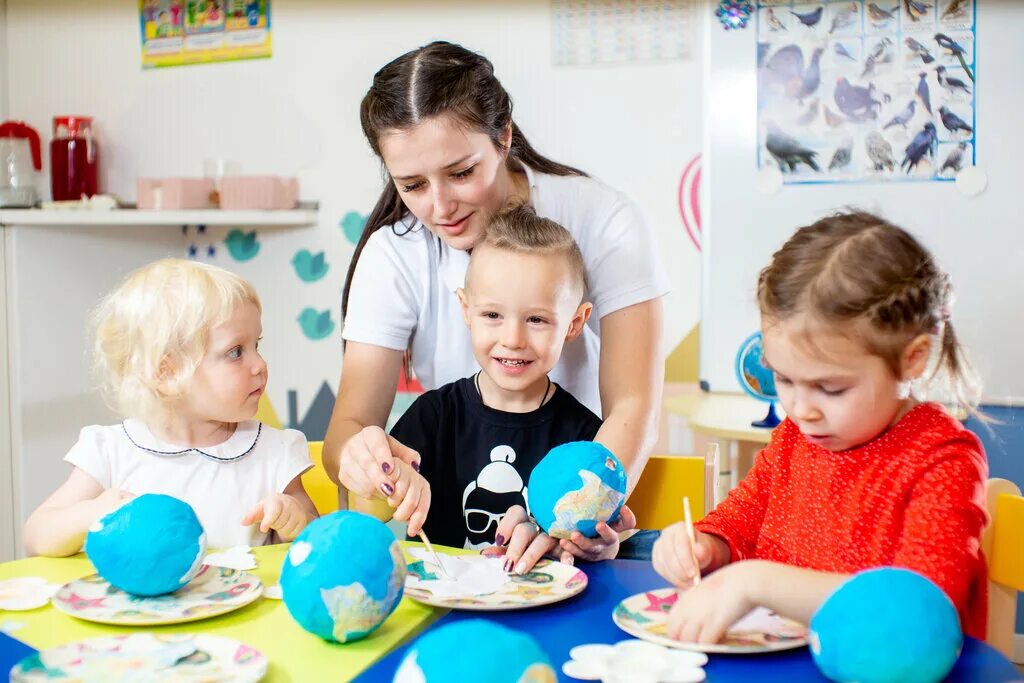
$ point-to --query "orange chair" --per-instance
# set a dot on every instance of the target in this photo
(657, 500)
(1003, 545)
(318, 485)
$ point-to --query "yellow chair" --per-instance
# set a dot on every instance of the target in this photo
(318, 485)
(657, 500)
(1003, 545)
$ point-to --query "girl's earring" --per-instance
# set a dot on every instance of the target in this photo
(903, 390)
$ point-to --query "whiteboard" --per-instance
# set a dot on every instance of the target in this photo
(979, 241)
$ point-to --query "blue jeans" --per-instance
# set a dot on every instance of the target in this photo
(639, 545)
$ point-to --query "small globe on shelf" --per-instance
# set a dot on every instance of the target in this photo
(756, 379)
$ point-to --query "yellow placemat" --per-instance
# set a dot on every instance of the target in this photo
(294, 654)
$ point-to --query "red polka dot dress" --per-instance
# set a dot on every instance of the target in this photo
(914, 498)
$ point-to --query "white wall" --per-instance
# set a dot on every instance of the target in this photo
(634, 126)
(6, 481)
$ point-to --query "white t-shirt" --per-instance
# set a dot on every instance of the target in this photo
(222, 483)
(404, 285)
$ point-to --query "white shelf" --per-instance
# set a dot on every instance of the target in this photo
(292, 218)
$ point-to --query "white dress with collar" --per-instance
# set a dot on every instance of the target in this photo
(222, 483)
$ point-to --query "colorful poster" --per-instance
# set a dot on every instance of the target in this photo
(176, 32)
(851, 91)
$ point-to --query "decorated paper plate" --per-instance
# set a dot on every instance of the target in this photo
(214, 591)
(645, 615)
(145, 658)
(475, 582)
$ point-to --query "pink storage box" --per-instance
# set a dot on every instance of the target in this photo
(258, 192)
(169, 194)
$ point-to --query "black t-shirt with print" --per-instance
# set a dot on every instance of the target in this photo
(478, 460)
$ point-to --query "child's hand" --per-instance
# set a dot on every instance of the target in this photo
(279, 512)
(409, 494)
(705, 612)
(606, 545)
(522, 542)
(108, 501)
(673, 557)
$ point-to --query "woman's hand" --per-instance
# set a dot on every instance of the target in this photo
(369, 462)
(376, 465)
(522, 542)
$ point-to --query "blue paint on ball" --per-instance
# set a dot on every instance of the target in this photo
(151, 545)
(343, 576)
(886, 626)
(475, 650)
(576, 486)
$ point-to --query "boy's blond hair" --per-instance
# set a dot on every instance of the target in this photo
(520, 230)
(152, 331)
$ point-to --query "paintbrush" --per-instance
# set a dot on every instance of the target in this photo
(693, 539)
(430, 549)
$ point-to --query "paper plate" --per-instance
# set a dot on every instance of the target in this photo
(138, 657)
(549, 582)
(645, 615)
(214, 591)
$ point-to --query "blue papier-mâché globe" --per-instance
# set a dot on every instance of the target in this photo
(343, 576)
(575, 486)
(151, 545)
(886, 626)
(475, 650)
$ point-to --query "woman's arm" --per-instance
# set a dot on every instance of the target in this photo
(366, 392)
(358, 455)
(632, 377)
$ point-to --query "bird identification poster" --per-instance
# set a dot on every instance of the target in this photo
(852, 91)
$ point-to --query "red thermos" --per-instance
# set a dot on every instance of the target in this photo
(73, 158)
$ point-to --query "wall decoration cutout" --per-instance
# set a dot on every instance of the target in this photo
(689, 199)
(316, 324)
(308, 266)
(853, 91)
(734, 14)
(199, 245)
(352, 224)
(176, 32)
(242, 246)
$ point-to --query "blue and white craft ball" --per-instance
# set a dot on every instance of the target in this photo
(475, 650)
(151, 545)
(343, 576)
(886, 626)
(574, 487)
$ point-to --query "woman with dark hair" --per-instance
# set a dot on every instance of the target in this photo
(441, 123)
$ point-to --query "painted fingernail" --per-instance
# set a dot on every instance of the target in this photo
(508, 565)
(499, 540)
(387, 489)
(386, 467)
(416, 465)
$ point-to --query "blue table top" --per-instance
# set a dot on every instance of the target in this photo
(587, 618)
(12, 651)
